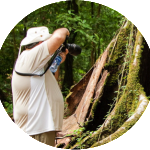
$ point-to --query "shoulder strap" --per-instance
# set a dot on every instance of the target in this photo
(49, 64)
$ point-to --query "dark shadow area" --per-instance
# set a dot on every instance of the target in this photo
(144, 72)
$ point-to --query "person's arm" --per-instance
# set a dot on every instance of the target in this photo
(63, 56)
(57, 73)
(57, 38)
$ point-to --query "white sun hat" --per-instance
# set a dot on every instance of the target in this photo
(35, 34)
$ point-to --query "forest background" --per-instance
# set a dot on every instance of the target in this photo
(92, 26)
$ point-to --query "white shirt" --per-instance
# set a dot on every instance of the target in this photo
(37, 101)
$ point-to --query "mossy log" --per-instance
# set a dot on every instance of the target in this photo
(115, 79)
(78, 118)
(143, 102)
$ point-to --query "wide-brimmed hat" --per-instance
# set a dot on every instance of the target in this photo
(36, 34)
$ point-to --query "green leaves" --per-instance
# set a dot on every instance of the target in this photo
(9, 108)
(93, 33)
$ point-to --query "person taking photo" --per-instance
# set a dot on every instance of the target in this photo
(38, 106)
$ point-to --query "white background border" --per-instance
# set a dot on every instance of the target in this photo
(12, 11)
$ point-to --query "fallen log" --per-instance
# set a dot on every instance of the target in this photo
(115, 80)
(77, 119)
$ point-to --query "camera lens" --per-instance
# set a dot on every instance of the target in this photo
(74, 49)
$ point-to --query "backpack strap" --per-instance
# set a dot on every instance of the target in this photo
(49, 64)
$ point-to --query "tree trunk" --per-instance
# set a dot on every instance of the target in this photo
(98, 16)
(25, 26)
(93, 52)
(114, 96)
(68, 77)
(15, 47)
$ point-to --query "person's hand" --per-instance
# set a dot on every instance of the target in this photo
(63, 55)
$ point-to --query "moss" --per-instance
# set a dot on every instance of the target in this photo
(94, 106)
(128, 99)
(92, 100)
(116, 59)
(128, 102)
(133, 86)
(114, 67)
(70, 93)
(124, 128)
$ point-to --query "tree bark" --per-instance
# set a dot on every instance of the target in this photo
(15, 47)
(117, 80)
(68, 77)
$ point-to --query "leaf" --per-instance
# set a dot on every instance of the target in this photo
(69, 11)
(84, 21)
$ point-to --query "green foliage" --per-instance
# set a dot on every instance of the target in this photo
(80, 134)
(9, 108)
(148, 97)
(92, 32)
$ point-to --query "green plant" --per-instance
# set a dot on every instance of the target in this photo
(9, 108)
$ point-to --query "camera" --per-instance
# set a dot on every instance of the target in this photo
(72, 48)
